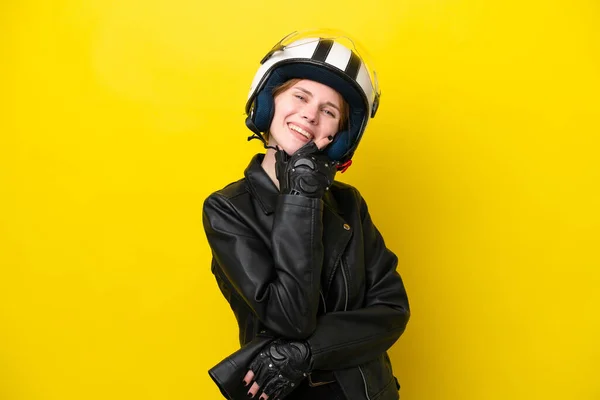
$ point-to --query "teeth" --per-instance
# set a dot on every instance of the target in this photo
(300, 130)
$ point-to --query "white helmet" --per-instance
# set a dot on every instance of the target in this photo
(328, 57)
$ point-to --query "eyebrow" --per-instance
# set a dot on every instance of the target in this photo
(310, 94)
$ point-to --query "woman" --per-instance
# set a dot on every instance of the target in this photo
(295, 253)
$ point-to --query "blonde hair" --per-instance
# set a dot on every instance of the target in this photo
(344, 108)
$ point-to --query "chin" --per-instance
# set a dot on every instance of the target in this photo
(289, 144)
(290, 149)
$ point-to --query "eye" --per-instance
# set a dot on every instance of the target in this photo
(299, 96)
(331, 114)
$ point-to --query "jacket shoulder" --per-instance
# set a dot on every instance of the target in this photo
(341, 186)
(232, 190)
(341, 190)
(228, 193)
(349, 198)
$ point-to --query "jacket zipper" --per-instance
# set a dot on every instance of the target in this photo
(364, 382)
(345, 309)
(345, 287)
(345, 283)
(324, 305)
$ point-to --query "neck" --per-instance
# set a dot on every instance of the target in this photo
(268, 164)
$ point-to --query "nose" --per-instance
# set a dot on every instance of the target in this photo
(310, 113)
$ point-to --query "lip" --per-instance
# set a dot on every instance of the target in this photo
(302, 126)
(300, 137)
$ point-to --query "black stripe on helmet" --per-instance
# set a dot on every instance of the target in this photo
(353, 66)
(322, 50)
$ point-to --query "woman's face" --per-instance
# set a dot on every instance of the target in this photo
(307, 111)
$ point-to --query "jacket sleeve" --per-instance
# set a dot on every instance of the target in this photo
(349, 338)
(280, 285)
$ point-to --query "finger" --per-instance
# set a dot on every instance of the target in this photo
(253, 389)
(248, 378)
(323, 142)
(264, 396)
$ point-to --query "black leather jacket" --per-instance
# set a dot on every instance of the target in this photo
(310, 269)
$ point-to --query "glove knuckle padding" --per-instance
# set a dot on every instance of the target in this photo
(281, 366)
(307, 172)
(305, 162)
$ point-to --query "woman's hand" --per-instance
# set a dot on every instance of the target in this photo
(278, 369)
(308, 172)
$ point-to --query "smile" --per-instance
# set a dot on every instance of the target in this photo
(300, 131)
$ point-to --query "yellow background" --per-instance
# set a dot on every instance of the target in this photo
(481, 169)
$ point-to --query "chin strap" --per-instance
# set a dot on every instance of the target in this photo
(257, 135)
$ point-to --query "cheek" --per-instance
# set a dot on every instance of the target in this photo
(333, 127)
(282, 109)
(279, 114)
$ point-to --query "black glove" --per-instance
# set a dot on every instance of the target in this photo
(281, 366)
(308, 172)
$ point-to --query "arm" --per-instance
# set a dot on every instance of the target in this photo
(281, 285)
(348, 338)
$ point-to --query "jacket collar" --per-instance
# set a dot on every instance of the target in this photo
(264, 190)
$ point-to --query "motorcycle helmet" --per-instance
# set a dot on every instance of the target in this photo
(328, 57)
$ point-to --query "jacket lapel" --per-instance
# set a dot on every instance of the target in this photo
(336, 235)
